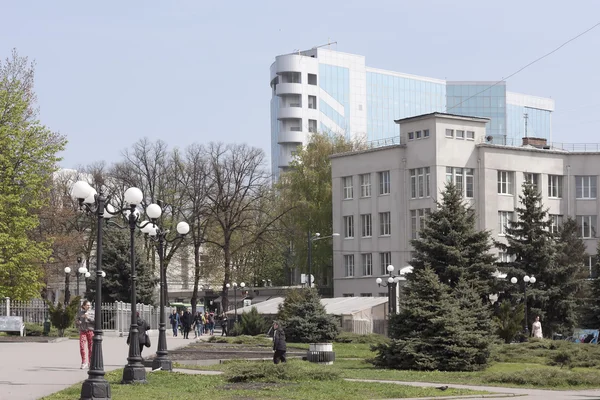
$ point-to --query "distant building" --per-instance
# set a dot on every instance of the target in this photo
(381, 195)
(329, 91)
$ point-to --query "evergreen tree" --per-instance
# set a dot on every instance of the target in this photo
(440, 329)
(116, 263)
(531, 247)
(509, 320)
(564, 280)
(590, 317)
(451, 244)
(305, 319)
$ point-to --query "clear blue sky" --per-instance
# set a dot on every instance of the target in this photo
(111, 72)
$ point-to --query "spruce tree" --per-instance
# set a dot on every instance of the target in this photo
(437, 328)
(590, 318)
(452, 245)
(531, 248)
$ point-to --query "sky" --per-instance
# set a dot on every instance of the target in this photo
(113, 72)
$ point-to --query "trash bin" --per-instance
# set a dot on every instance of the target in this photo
(320, 353)
(557, 336)
(47, 326)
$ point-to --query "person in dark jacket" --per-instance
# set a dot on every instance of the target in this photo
(174, 318)
(143, 338)
(187, 319)
(224, 325)
(279, 344)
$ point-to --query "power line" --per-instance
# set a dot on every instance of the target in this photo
(531, 63)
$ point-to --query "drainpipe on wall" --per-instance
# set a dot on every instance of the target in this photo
(569, 190)
(406, 210)
(478, 191)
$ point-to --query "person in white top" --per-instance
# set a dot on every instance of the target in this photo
(536, 329)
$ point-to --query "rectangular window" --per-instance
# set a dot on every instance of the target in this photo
(591, 263)
(417, 221)
(503, 257)
(555, 186)
(312, 102)
(427, 182)
(470, 135)
(385, 259)
(349, 226)
(460, 134)
(585, 187)
(532, 178)
(366, 295)
(367, 263)
(470, 183)
(349, 265)
(348, 295)
(385, 224)
(384, 182)
(420, 179)
(413, 183)
(418, 134)
(555, 222)
(312, 79)
(449, 133)
(425, 133)
(312, 125)
(505, 182)
(587, 226)
(411, 136)
(463, 179)
(504, 219)
(348, 191)
(365, 185)
(366, 225)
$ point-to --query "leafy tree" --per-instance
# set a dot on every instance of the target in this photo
(305, 319)
(117, 265)
(61, 316)
(590, 317)
(509, 320)
(441, 330)
(451, 244)
(28, 158)
(531, 247)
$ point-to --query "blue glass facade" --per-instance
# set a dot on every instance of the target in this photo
(336, 82)
(392, 97)
(538, 122)
(489, 102)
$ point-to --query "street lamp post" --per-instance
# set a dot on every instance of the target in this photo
(95, 387)
(526, 279)
(311, 239)
(81, 271)
(67, 283)
(391, 285)
(159, 235)
(235, 287)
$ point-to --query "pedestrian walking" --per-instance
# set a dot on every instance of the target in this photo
(224, 325)
(143, 337)
(187, 319)
(174, 319)
(536, 329)
(85, 323)
(279, 344)
(198, 324)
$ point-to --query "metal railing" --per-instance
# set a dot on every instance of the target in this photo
(390, 141)
(570, 147)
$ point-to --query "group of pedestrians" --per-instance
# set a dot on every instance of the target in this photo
(200, 323)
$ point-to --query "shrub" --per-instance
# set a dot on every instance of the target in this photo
(252, 323)
(32, 329)
(292, 371)
(372, 338)
(509, 321)
(63, 317)
(562, 358)
(544, 377)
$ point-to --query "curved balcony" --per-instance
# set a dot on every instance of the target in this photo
(289, 112)
(288, 88)
(288, 136)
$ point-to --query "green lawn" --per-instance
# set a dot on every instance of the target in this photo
(164, 385)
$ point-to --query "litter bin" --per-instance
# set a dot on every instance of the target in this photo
(47, 326)
(320, 353)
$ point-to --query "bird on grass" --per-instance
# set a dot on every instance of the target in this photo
(445, 387)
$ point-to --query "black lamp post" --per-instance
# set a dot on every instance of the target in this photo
(81, 270)
(526, 279)
(154, 211)
(392, 286)
(311, 239)
(235, 287)
(67, 283)
(95, 387)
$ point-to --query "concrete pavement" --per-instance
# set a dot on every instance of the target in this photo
(29, 371)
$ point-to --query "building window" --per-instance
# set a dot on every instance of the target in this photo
(555, 186)
(470, 135)
(348, 192)
(460, 134)
(382, 294)
(312, 125)
(366, 295)
(585, 187)
(532, 178)
(367, 263)
(411, 136)
(417, 221)
(349, 265)
(463, 179)
(592, 272)
(312, 79)
(348, 295)
(503, 257)
(505, 182)
(366, 225)
(384, 182)
(555, 222)
(385, 259)
(385, 224)
(365, 185)
(312, 102)
(449, 133)
(419, 182)
(349, 226)
(504, 219)
(418, 134)
(587, 226)
(425, 133)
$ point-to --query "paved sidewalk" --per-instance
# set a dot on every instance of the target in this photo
(29, 371)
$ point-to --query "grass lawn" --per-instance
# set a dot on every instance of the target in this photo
(165, 385)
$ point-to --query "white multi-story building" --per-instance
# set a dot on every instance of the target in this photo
(329, 91)
(381, 195)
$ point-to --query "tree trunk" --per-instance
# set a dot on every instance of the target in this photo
(227, 278)
(196, 278)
